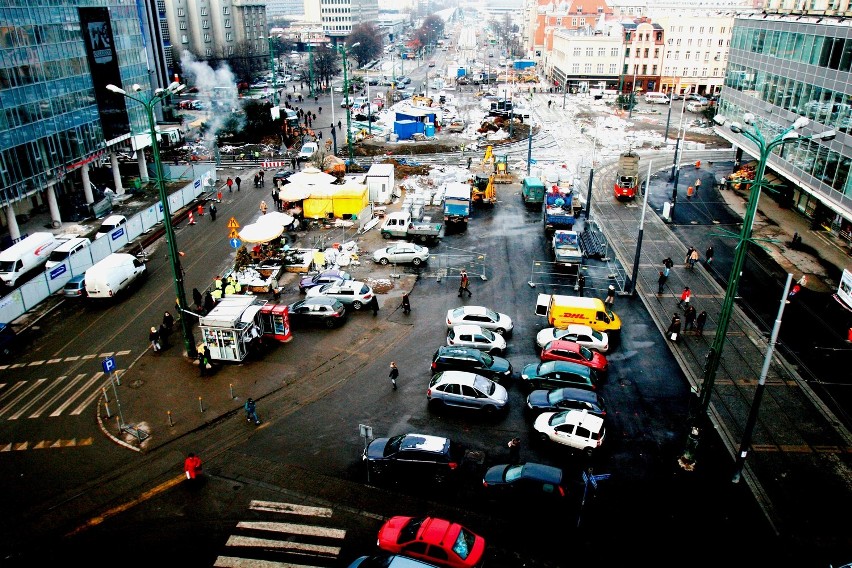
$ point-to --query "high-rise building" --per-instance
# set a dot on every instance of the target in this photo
(339, 16)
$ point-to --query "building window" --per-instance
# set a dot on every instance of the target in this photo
(229, 36)
(647, 52)
(559, 22)
(582, 22)
(659, 36)
(678, 41)
(686, 56)
(613, 69)
(701, 30)
(644, 69)
(227, 22)
(699, 42)
(226, 11)
(575, 68)
(184, 39)
(601, 52)
(627, 52)
(654, 70)
(711, 29)
(590, 52)
(207, 38)
(182, 25)
(573, 22)
(587, 68)
(677, 55)
(208, 52)
(205, 24)
(689, 42)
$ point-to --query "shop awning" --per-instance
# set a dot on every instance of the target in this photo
(261, 232)
(276, 218)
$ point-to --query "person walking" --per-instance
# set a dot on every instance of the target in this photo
(581, 284)
(708, 255)
(204, 363)
(464, 285)
(192, 466)
(689, 252)
(684, 297)
(374, 305)
(697, 185)
(251, 411)
(196, 297)
(238, 180)
(168, 321)
(661, 282)
(689, 318)
(164, 336)
(262, 176)
(230, 183)
(154, 338)
(668, 263)
(406, 303)
(209, 302)
(200, 210)
(610, 297)
(263, 207)
(693, 258)
(514, 450)
(700, 321)
(212, 212)
(394, 374)
(674, 329)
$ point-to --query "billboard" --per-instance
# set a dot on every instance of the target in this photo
(103, 67)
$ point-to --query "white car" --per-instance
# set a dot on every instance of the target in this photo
(582, 334)
(573, 428)
(477, 337)
(308, 150)
(402, 253)
(482, 316)
(110, 224)
(350, 293)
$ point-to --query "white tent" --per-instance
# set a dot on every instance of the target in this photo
(294, 192)
(276, 218)
(261, 232)
(311, 176)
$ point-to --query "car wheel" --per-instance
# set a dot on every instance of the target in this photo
(416, 262)
(543, 437)
(357, 305)
(435, 404)
(328, 323)
(588, 452)
(383, 261)
(489, 410)
(500, 330)
(386, 236)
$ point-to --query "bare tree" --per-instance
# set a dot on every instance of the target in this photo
(370, 39)
(326, 64)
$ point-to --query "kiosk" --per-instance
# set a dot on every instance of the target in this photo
(231, 327)
(275, 322)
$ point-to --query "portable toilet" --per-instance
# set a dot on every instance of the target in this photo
(430, 129)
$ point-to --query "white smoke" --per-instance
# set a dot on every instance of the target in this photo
(218, 89)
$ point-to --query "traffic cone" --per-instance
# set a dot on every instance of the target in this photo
(191, 219)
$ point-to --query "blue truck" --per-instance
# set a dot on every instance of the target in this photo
(457, 199)
(558, 209)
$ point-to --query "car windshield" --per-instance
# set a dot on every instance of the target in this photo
(487, 334)
(484, 385)
(558, 418)
(464, 544)
(597, 335)
(409, 531)
(586, 353)
(7, 266)
(487, 359)
(58, 255)
(492, 315)
(514, 473)
(393, 444)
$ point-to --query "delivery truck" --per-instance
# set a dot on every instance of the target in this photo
(25, 256)
(112, 275)
(561, 311)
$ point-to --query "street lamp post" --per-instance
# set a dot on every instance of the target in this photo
(272, 60)
(177, 272)
(310, 68)
(764, 149)
(346, 95)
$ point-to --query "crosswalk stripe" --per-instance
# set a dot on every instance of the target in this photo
(55, 384)
(20, 397)
(292, 528)
(92, 396)
(79, 392)
(275, 507)
(281, 545)
(231, 562)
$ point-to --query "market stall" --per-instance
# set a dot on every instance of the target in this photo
(350, 200)
(320, 204)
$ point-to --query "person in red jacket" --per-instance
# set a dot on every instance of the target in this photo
(192, 466)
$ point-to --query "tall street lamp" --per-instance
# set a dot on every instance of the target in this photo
(346, 95)
(764, 148)
(311, 68)
(272, 61)
(148, 103)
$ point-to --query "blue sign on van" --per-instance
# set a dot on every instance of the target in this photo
(117, 233)
(58, 271)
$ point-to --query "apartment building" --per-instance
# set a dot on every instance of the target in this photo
(339, 16)
(643, 55)
(585, 57)
(543, 18)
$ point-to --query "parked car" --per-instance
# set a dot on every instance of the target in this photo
(321, 311)
(439, 541)
(76, 287)
(481, 316)
(308, 150)
(477, 337)
(565, 398)
(561, 350)
(466, 390)
(413, 457)
(693, 97)
(555, 374)
(281, 177)
(525, 481)
(578, 333)
(576, 429)
(402, 253)
(473, 360)
(109, 224)
(351, 292)
(385, 560)
(324, 277)
(431, 64)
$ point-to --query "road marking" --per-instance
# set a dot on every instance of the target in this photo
(33, 386)
(282, 545)
(230, 562)
(72, 358)
(275, 507)
(30, 404)
(292, 528)
(89, 399)
(35, 363)
(79, 392)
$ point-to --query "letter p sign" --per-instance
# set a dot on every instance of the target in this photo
(108, 365)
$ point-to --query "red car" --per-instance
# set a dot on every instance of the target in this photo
(434, 540)
(561, 350)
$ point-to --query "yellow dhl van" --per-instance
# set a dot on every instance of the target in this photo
(561, 311)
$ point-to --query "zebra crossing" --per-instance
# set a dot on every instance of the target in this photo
(287, 539)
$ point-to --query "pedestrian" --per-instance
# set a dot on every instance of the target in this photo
(319, 135)
(238, 180)
(251, 411)
(689, 318)
(668, 263)
(339, 124)
(192, 466)
(693, 258)
(219, 196)
(661, 282)
(469, 161)
(697, 185)
(684, 297)
(163, 332)
(581, 284)
(406, 303)
(689, 252)
(374, 305)
(212, 211)
(209, 302)
(196, 297)
(154, 338)
(230, 183)
(708, 254)
(204, 364)
(610, 297)
(257, 180)
(394, 373)
(674, 328)
(293, 163)
(549, 102)
(514, 450)
(262, 177)
(263, 207)
(320, 110)
(200, 210)
(700, 321)
(464, 285)
(275, 200)
(168, 321)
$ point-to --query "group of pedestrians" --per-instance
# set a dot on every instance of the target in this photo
(159, 335)
(692, 319)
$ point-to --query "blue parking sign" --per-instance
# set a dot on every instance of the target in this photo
(108, 364)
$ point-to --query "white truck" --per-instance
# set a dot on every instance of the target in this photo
(566, 251)
(113, 274)
(400, 224)
(26, 255)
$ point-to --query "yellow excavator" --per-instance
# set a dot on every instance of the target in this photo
(482, 189)
(501, 169)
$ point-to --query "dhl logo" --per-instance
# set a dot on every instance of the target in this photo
(570, 315)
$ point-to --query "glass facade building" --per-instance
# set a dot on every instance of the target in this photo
(51, 119)
(782, 67)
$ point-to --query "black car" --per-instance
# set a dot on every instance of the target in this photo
(320, 311)
(281, 177)
(529, 481)
(413, 457)
(566, 398)
(451, 358)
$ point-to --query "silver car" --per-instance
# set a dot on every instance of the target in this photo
(402, 253)
(466, 390)
(476, 336)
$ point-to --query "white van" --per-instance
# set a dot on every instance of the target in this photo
(113, 274)
(66, 250)
(26, 255)
(657, 98)
(110, 224)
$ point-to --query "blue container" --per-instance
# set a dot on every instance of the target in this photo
(430, 129)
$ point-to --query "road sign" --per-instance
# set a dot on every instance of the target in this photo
(233, 234)
(108, 364)
(232, 223)
(235, 243)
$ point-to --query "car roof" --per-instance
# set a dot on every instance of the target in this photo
(590, 421)
(76, 279)
(460, 377)
(565, 366)
(457, 350)
(468, 328)
(563, 344)
(578, 328)
(571, 393)
(424, 442)
(476, 310)
(316, 300)
(542, 472)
